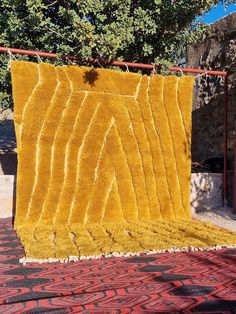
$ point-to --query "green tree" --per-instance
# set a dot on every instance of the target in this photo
(134, 30)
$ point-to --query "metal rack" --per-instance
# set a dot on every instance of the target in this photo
(148, 67)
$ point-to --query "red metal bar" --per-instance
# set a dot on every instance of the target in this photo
(115, 63)
(234, 177)
(150, 67)
(234, 182)
(188, 70)
(226, 100)
(95, 61)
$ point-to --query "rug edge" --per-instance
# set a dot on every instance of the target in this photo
(24, 260)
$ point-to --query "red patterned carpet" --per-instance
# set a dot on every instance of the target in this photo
(194, 282)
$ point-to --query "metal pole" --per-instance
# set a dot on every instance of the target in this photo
(150, 67)
(94, 61)
(226, 93)
(115, 63)
(234, 179)
(199, 71)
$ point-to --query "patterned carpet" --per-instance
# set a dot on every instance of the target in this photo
(194, 282)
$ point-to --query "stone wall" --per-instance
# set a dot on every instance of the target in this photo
(216, 52)
(8, 157)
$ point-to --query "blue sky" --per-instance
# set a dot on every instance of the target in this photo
(218, 12)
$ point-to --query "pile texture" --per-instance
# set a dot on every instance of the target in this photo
(103, 162)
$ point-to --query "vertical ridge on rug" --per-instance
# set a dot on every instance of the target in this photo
(42, 166)
(156, 94)
(22, 95)
(147, 153)
(184, 106)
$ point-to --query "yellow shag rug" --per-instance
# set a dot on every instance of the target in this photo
(104, 163)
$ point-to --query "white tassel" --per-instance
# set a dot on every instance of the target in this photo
(24, 260)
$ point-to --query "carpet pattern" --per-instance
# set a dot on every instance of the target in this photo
(103, 162)
(189, 282)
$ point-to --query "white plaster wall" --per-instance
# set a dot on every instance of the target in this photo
(206, 191)
(6, 195)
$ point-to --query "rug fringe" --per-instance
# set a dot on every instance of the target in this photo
(24, 260)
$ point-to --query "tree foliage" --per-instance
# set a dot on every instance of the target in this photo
(134, 30)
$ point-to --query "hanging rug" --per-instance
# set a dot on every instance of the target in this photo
(104, 164)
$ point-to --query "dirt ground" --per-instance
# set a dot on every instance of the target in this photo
(223, 217)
